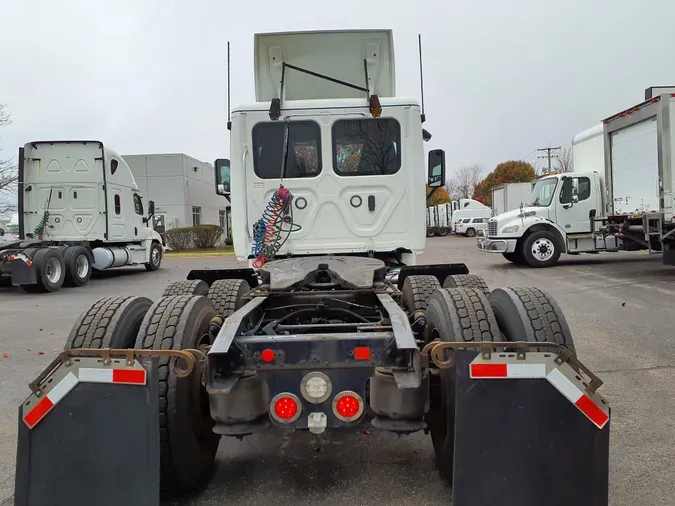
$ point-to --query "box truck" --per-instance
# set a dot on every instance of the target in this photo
(509, 196)
(620, 196)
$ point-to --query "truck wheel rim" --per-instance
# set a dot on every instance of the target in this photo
(543, 249)
(53, 270)
(155, 256)
(82, 266)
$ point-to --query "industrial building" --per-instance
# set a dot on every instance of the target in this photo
(183, 189)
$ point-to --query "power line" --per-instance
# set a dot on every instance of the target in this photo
(548, 156)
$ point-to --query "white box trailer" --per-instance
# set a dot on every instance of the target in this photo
(588, 149)
(639, 165)
(633, 173)
(79, 209)
(509, 196)
(438, 220)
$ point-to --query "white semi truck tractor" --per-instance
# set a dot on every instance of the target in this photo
(619, 197)
(328, 192)
(79, 209)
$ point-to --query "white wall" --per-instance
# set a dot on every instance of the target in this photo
(201, 190)
(177, 182)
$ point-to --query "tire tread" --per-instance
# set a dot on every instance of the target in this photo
(96, 325)
(225, 294)
(420, 290)
(186, 287)
(471, 314)
(163, 329)
(543, 319)
(467, 281)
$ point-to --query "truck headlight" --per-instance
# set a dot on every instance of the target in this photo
(510, 229)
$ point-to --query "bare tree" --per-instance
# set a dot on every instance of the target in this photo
(564, 161)
(462, 184)
(8, 173)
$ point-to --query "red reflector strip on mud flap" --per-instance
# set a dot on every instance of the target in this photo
(45, 405)
(541, 365)
(66, 378)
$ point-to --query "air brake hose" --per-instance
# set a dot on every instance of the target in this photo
(268, 229)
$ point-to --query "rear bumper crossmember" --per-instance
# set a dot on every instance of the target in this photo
(393, 347)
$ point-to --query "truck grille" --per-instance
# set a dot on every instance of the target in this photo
(492, 228)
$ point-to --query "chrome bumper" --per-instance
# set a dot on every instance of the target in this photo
(497, 245)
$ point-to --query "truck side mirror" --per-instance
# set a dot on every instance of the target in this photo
(2, 231)
(151, 208)
(436, 168)
(222, 169)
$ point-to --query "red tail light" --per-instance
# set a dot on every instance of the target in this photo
(348, 406)
(286, 408)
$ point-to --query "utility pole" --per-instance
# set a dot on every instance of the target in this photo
(548, 156)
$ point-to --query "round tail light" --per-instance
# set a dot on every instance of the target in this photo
(348, 406)
(285, 408)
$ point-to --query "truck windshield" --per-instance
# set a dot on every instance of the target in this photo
(543, 191)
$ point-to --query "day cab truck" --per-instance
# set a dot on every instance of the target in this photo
(619, 197)
(79, 210)
(328, 199)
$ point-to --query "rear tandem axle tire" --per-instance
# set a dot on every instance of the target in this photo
(188, 444)
(467, 281)
(187, 287)
(78, 260)
(227, 295)
(110, 322)
(50, 271)
(453, 314)
(532, 315)
(417, 290)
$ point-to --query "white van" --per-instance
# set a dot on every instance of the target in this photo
(460, 215)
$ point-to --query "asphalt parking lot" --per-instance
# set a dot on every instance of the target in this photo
(618, 306)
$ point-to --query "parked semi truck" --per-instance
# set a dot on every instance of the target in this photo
(327, 202)
(79, 209)
(619, 197)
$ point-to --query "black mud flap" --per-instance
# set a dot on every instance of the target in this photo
(527, 442)
(22, 273)
(91, 438)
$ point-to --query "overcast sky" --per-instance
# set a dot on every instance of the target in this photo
(502, 78)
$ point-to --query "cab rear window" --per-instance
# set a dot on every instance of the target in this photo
(366, 147)
(304, 150)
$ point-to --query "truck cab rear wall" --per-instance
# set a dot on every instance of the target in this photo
(338, 209)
